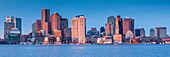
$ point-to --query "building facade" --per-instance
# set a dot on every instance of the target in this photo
(152, 33)
(45, 15)
(13, 36)
(67, 35)
(140, 32)
(160, 32)
(109, 29)
(55, 21)
(79, 29)
(93, 32)
(118, 30)
(38, 26)
(18, 24)
(128, 24)
(63, 23)
(112, 21)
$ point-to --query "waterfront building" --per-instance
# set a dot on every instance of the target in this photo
(13, 36)
(120, 24)
(149, 40)
(104, 40)
(33, 30)
(23, 38)
(63, 25)
(7, 27)
(67, 35)
(160, 32)
(8, 24)
(57, 33)
(46, 41)
(165, 41)
(118, 30)
(129, 34)
(78, 29)
(2, 41)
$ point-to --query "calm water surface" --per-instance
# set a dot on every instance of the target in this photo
(85, 51)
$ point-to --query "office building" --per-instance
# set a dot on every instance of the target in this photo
(140, 32)
(93, 32)
(128, 24)
(18, 24)
(67, 35)
(55, 21)
(109, 29)
(13, 36)
(152, 32)
(8, 24)
(63, 23)
(112, 21)
(79, 29)
(120, 24)
(45, 15)
(38, 26)
(160, 32)
(118, 30)
(33, 30)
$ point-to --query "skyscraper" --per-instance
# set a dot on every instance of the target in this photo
(112, 21)
(33, 30)
(152, 32)
(109, 29)
(63, 23)
(18, 24)
(55, 21)
(38, 26)
(8, 24)
(160, 32)
(79, 29)
(128, 24)
(120, 24)
(139, 32)
(7, 27)
(47, 28)
(118, 30)
(45, 15)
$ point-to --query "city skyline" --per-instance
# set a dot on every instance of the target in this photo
(70, 10)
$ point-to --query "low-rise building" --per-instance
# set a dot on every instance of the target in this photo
(13, 37)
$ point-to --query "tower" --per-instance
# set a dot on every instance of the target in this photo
(118, 37)
(78, 29)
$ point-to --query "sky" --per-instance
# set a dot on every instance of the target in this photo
(146, 13)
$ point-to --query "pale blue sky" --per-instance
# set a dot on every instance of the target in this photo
(147, 13)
